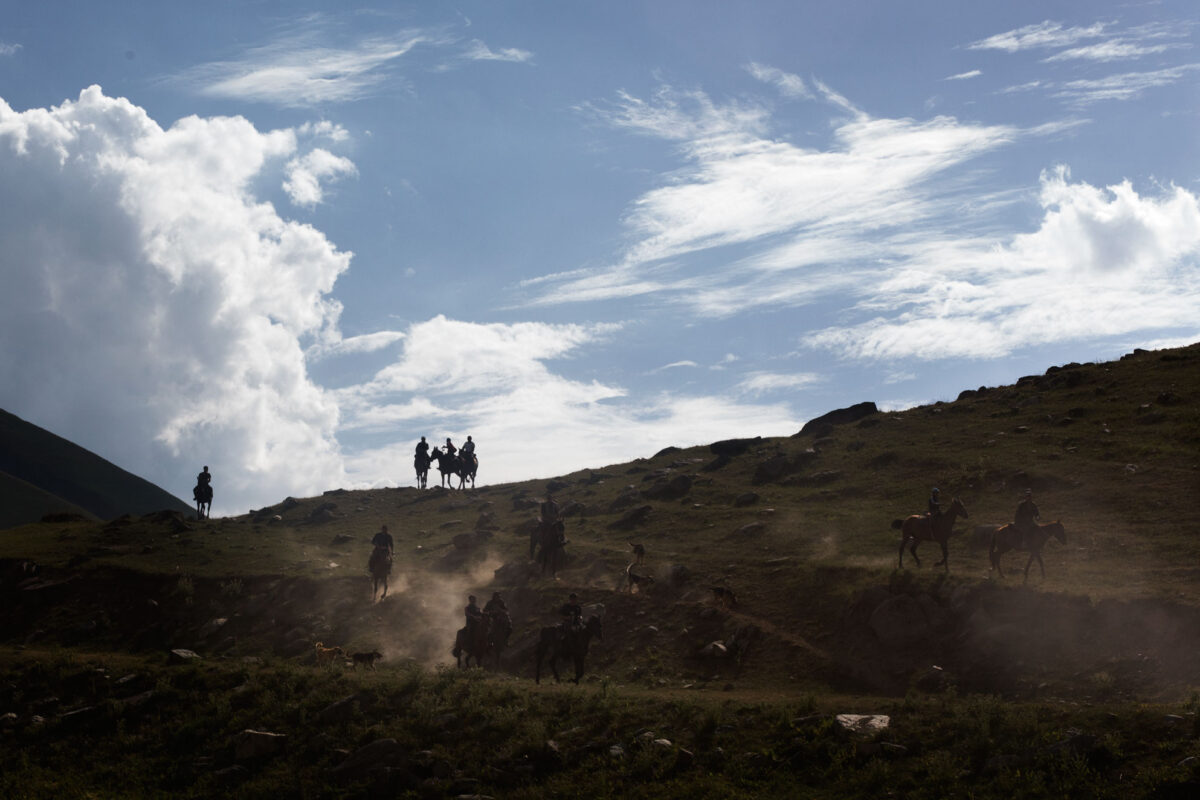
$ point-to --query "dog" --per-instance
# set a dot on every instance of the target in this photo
(723, 596)
(639, 552)
(636, 582)
(326, 655)
(366, 659)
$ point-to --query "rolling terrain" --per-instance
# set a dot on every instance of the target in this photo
(1079, 682)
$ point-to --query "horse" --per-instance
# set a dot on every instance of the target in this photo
(468, 465)
(380, 566)
(421, 464)
(447, 465)
(498, 632)
(921, 528)
(1009, 538)
(474, 646)
(202, 494)
(571, 644)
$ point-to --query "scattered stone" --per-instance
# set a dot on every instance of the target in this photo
(182, 656)
(251, 745)
(745, 499)
(863, 723)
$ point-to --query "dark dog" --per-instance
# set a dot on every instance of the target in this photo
(639, 552)
(636, 582)
(724, 596)
(366, 659)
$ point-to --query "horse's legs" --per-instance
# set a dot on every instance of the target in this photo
(945, 556)
(903, 542)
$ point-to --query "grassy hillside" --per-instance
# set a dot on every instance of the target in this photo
(1081, 682)
(49, 472)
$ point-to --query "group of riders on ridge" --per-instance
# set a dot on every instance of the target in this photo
(451, 460)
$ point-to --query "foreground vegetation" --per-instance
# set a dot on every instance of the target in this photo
(149, 729)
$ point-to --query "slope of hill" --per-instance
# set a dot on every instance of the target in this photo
(825, 620)
(52, 474)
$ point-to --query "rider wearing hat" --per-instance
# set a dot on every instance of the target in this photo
(1026, 517)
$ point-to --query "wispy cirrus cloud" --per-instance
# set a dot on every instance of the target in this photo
(1041, 35)
(7, 49)
(789, 85)
(478, 51)
(774, 207)
(1125, 86)
(1112, 50)
(962, 76)
(312, 63)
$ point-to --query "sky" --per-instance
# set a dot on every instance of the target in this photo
(287, 239)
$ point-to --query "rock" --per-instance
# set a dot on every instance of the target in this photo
(678, 574)
(863, 723)
(632, 518)
(340, 539)
(377, 754)
(182, 656)
(672, 489)
(556, 486)
(781, 466)
(745, 499)
(251, 745)
(627, 498)
(730, 448)
(841, 416)
(750, 529)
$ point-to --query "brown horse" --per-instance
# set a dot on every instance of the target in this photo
(1009, 538)
(923, 528)
(380, 566)
(571, 644)
(474, 646)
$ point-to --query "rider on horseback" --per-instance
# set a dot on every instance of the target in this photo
(1026, 517)
(450, 448)
(572, 616)
(935, 506)
(474, 617)
(497, 609)
(382, 550)
(204, 479)
(422, 448)
(467, 452)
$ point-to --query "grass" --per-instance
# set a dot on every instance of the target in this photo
(1075, 684)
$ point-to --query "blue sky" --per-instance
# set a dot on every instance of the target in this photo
(287, 239)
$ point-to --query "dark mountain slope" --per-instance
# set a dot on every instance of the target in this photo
(45, 473)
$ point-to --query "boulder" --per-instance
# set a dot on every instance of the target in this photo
(745, 499)
(672, 489)
(842, 416)
(632, 518)
(182, 656)
(733, 447)
(250, 745)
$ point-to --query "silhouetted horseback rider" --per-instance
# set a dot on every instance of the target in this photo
(467, 452)
(935, 507)
(423, 449)
(549, 510)
(382, 549)
(450, 449)
(497, 609)
(1026, 517)
(202, 493)
(572, 616)
(474, 617)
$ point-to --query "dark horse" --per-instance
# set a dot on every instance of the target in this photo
(202, 494)
(548, 545)
(1009, 537)
(468, 465)
(923, 528)
(447, 464)
(380, 566)
(572, 644)
(473, 646)
(421, 464)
